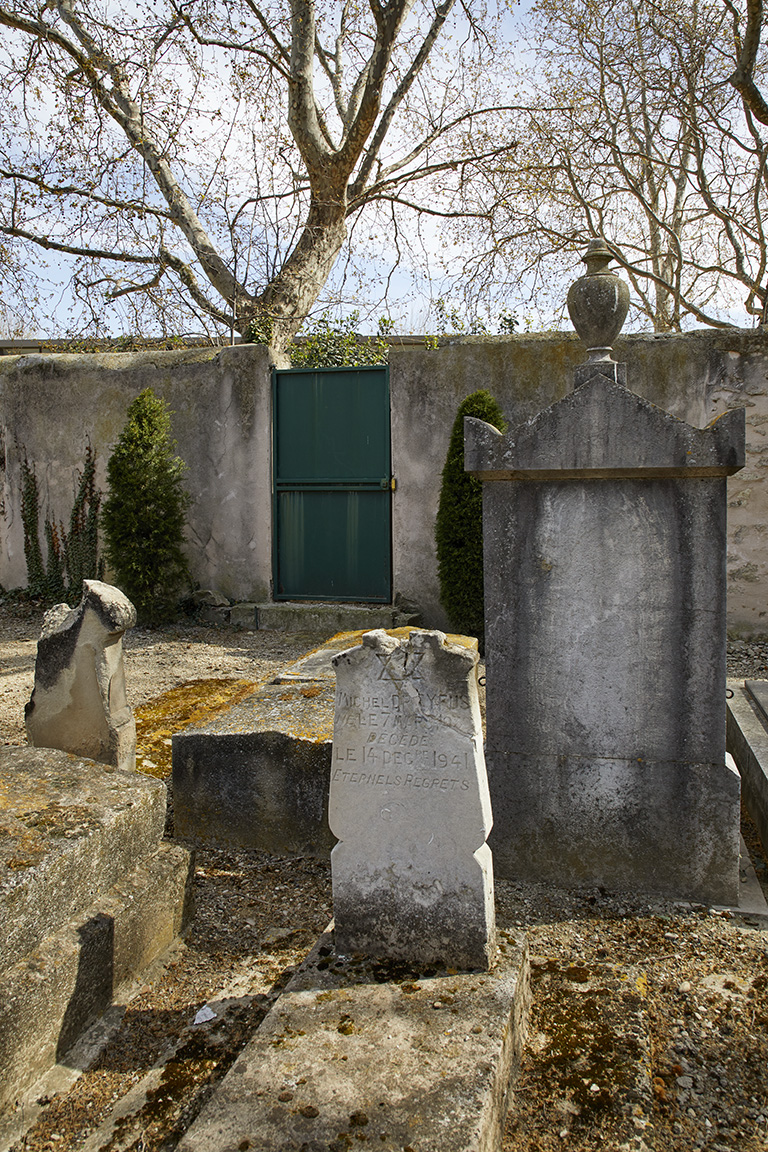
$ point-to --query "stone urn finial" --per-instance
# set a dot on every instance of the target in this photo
(597, 304)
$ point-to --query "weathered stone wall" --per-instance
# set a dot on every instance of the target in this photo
(49, 404)
(695, 377)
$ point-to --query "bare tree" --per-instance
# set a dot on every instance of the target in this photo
(652, 149)
(207, 156)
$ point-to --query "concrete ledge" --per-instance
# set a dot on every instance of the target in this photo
(747, 741)
(69, 830)
(393, 1059)
(50, 996)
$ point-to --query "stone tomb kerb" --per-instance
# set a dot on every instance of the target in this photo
(412, 873)
(604, 523)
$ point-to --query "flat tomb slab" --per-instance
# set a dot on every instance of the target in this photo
(69, 829)
(758, 691)
(356, 1051)
(258, 775)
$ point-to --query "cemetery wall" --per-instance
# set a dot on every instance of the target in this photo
(50, 404)
(696, 377)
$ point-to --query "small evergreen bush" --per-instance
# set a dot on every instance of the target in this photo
(145, 511)
(459, 526)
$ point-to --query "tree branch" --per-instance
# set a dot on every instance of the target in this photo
(137, 206)
(74, 249)
(743, 78)
(374, 148)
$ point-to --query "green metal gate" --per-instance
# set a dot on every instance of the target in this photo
(332, 484)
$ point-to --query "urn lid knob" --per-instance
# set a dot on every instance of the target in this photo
(597, 257)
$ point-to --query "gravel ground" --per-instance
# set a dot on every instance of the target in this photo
(649, 1023)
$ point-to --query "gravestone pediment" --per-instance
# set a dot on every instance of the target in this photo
(604, 430)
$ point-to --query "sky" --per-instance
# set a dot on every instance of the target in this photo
(379, 274)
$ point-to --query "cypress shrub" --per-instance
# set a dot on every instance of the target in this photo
(459, 527)
(145, 511)
(81, 543)
(73, 554)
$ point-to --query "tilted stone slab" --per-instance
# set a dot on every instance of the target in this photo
(60, 987)
(412, 873)
(747, 739)
(257, 775)
(69, 830)
(355, 1054)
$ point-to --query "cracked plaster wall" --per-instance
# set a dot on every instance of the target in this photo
(696, 377)
(50, 404)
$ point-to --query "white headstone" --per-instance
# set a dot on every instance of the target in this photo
(409, 803)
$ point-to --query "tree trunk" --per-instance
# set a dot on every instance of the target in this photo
(296, 287)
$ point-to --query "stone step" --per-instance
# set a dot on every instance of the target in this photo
(314, 616)
(59, 988)
(361, 1051)
(70, 829)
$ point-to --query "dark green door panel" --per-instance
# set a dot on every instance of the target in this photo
(332, 501)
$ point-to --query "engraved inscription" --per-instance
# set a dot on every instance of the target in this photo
(398, 780)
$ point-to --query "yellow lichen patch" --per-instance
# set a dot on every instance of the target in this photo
(307, 713)
(195, 702)
(315, 733)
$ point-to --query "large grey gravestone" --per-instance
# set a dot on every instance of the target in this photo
(604, 524)
(78, 703)
(412, 873)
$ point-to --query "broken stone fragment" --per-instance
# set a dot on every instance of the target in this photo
(209, 598)
(78, 703)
